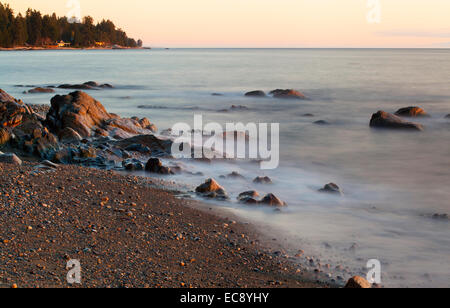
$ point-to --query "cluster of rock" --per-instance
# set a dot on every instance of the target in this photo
(90, 85)
(279, 93)
(78, 129)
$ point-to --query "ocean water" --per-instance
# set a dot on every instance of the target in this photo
(393, 181)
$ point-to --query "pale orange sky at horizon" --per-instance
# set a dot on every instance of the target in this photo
(267, 23)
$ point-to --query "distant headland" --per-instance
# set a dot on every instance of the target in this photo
(36, 31)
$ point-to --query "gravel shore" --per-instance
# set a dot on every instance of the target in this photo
(125, 234)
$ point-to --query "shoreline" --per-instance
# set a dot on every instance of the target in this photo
(110, 221)
(71, 48)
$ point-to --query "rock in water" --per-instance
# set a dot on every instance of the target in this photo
(411, 112)
(332, 189)
(447, 116)
(272, 200)
(41, 90)
(88, 118)
(256, 94)
(248, 197)
(155, 165)
(262, 180)
(383, 119)
(289, 93)
(212, 189)
(10, 158)
(358, 282)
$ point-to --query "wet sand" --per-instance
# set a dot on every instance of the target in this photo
(125, 233)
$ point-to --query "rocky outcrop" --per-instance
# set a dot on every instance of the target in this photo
(212, 189)
(24, 129)
(412, 112)
(383, 119)
(331, 188)
(257, 93)
(89, 118)
(155, 165)
(287, 94)
(10, 158)
(5, 136)
(358, 282)
(68, 135)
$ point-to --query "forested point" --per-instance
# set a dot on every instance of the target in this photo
(35, 29)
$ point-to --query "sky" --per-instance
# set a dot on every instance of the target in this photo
(268, 23)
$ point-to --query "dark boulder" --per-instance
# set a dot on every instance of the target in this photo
(412, 112)
(136, 147)
(447, 116)
(331, 188)
(158, 147)
(287, 94)
(133, 165)
(383, 119)
(322, 123)
(256, 94)
(155, 165)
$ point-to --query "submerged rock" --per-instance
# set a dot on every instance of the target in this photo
(40, 90)
(411, 112)
(272, 200)
(262, 180)
(287, 94)
(383, 119)
(447, 116)
(358, 282)
(321, 122)
(10, 158)
(257, 93)
(441, 216)
(331, 188)
(212, 189)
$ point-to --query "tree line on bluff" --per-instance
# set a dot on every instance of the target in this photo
(35, 29)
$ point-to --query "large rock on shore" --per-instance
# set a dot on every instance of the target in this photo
(383, 119)
(411, 112)
(89, 118)
(287, 94)
(24, 129)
